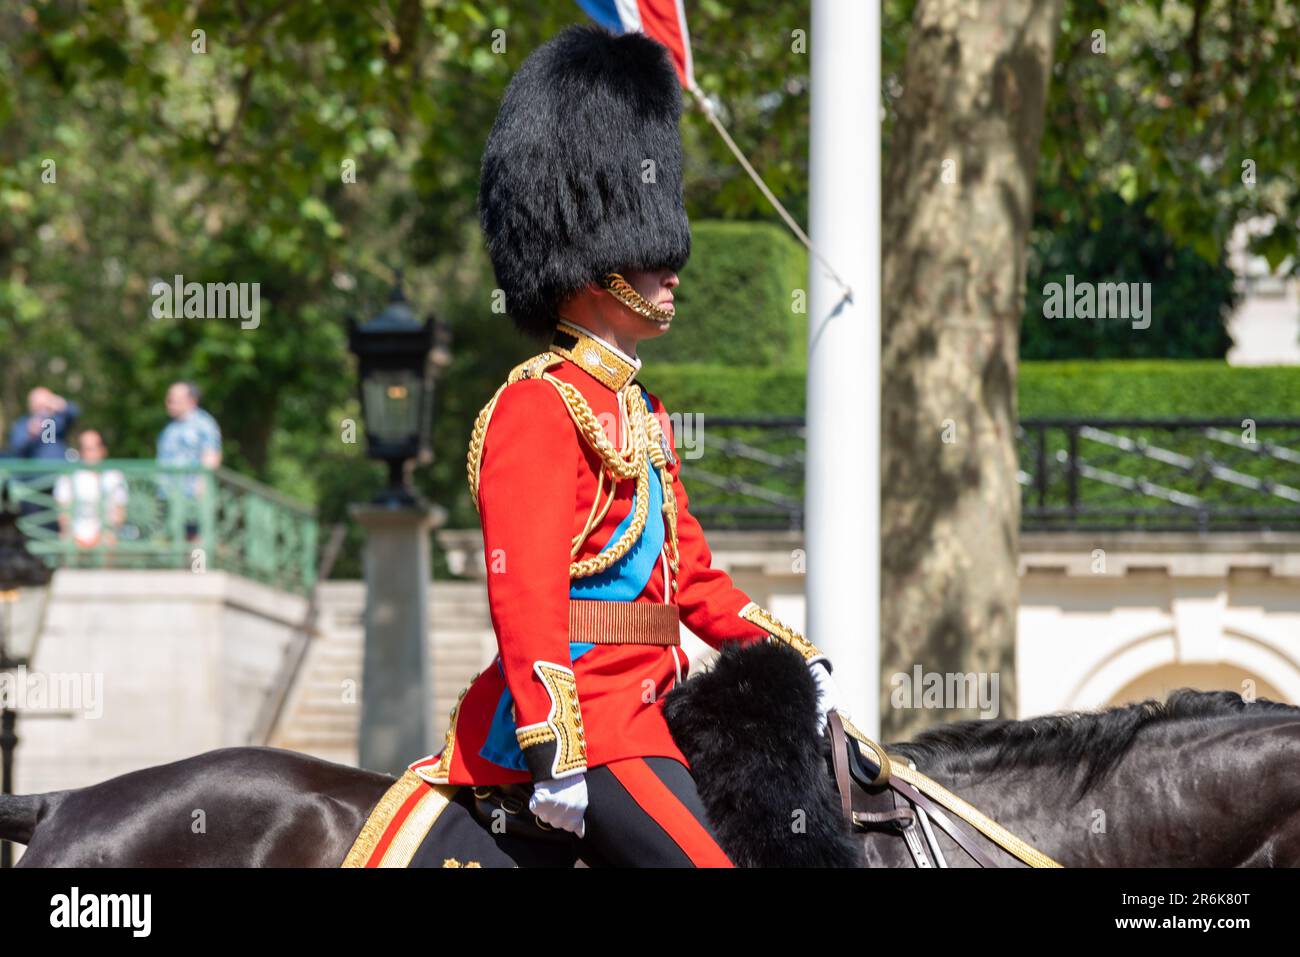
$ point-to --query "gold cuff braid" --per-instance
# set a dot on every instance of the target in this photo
(780, 631)
(562, 728)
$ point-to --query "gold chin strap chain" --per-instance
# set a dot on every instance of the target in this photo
(622, 290)
(643, 439)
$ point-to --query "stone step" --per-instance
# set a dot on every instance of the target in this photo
(318, 721)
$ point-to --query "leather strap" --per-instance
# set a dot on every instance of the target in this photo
(936, 814)
(840, 762)
(848, 762)
(931, 841)
(965, 842)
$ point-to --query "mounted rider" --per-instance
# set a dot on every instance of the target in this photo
(594, 560)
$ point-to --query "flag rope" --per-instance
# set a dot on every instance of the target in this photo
(712, 117)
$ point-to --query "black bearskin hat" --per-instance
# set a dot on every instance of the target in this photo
(565, 196)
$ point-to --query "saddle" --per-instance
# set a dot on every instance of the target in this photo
(880, 794)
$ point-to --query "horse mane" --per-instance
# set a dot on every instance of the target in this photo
(1094, 741)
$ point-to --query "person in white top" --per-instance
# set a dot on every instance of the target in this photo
(92, 501)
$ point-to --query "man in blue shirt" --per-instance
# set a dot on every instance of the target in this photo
(43, 432)
(191, 440)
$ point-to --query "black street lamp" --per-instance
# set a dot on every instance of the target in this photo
(397, 357)
(396, 388)
(24, 595)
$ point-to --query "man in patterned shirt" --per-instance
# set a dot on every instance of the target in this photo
(192, 440)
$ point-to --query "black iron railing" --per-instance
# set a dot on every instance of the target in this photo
(1075, 473)
(1160, 474)
(745, 472)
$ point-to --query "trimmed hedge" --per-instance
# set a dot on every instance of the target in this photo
(1175, 388)
(735, 301)
(1158, 389)
(726, 390)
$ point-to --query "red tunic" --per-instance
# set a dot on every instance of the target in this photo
(536, 487)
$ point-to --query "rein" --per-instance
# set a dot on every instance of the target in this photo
(877, 793)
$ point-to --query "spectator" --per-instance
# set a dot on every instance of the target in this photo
(92, 501)
(43, 432)
(191, 440)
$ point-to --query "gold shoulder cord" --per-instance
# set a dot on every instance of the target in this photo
(644, 440)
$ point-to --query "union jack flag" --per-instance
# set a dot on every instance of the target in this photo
(663, 20)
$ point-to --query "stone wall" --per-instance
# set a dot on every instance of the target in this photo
(166, 664)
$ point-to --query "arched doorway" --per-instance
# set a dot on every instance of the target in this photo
(1204, 676)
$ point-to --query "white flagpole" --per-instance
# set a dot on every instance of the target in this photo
(842, 497)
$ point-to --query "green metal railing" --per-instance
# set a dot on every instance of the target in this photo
(134, 513)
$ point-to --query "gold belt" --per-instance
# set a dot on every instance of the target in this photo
(623, 622)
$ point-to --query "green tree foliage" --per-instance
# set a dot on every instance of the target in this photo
(1159, 389)
(1189, 296)
(1188, 106)
(221, 157)
(212, 141)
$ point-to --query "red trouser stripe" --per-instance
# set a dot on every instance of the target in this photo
(654, 797)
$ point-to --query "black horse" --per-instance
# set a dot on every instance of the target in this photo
(1202, 779)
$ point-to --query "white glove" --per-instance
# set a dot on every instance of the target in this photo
(828, 693)
(561, 804)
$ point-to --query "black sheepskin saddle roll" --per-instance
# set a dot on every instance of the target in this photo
(748, 727)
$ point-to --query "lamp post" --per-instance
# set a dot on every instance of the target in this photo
(396, 387)
(24, 596)
(396, 382)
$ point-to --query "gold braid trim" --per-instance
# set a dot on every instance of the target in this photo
(380, 817)
(607, 557)
(780, 631)
(538, 734)
(412, 832)
(594, 517)
(563, 723)
(622, 290)
(617, 462)
(439, 773)
(533, 368)
(644, 437)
